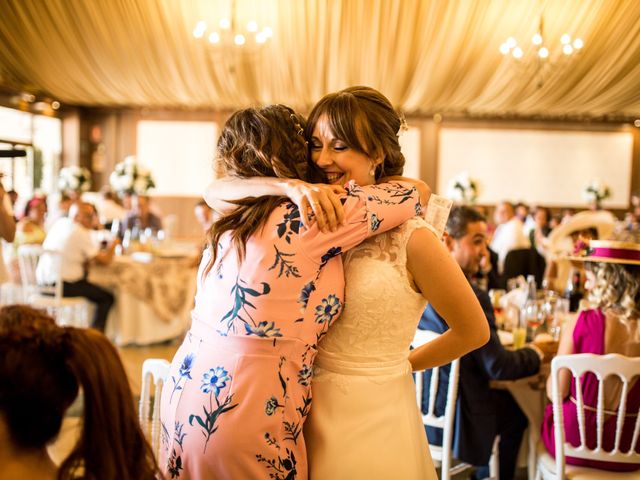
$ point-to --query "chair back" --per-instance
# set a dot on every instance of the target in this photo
(154, 372)
(430, 419)
(602, 366)
(28, 258)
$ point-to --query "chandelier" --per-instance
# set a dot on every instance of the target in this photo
(230, 30)
(540, 46)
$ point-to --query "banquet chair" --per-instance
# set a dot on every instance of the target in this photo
(443, 454)
(154, 371)
(72, 311)
(602, 366)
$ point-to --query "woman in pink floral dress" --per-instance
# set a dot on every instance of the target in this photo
(269, 287)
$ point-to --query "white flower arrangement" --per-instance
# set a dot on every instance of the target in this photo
(596, 191)
(129, 177)
(74, 179)
(463, 189)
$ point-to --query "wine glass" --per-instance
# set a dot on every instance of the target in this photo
(534, 316)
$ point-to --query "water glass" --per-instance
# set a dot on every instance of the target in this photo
(560, 314)
(515, 321)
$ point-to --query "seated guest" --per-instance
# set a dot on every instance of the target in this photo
(141, 215)
(109, 210)
(42, 368)
(509, 234)
(481, 412)
(562, 241)
(59, 209)
(29, 231)
(613, 273)
(521, 211)
(30, 228)
(71, 237)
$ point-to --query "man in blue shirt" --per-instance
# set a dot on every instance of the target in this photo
(481, 412)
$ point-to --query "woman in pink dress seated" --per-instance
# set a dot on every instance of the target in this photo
(269, 287)
(613, 272)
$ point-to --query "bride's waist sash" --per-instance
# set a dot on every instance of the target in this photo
(365, 365)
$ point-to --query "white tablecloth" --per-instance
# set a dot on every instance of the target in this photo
(531, 398)
(153, 300)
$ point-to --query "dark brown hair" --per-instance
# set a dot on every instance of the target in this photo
(460, 218)
(42, 367)
(366, 121)
(258, 142)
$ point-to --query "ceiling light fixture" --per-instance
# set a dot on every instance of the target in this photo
(229, 30)
(541, 50)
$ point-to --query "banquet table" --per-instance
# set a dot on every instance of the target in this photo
(530, 395)
(153, 296)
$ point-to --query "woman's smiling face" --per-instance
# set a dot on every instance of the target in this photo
(339, 162)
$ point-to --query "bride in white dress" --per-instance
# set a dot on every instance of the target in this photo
(364, 421)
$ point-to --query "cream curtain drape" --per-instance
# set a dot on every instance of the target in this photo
(427, 56)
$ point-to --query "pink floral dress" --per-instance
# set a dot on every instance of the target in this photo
(238, 391)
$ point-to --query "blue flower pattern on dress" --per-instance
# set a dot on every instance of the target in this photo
(332, 252)
(290, 223)
(241, 304)
(328, 308)
(184, 373)
(304, 375)
(303, 299)
(375, 222)
(263, 329)
(213, 381)
(240, 316)
(286, 266)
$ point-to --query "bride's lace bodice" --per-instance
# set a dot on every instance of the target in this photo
(381, 310)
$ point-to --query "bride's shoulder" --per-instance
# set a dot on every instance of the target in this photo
(405, 230)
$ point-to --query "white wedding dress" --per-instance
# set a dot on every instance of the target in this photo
(364, 421)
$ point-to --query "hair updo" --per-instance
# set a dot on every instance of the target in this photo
(366, 121)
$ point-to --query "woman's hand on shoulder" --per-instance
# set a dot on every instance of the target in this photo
(321, 199)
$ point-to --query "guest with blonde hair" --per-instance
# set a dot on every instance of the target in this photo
(613, 280)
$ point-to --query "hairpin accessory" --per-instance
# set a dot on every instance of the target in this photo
(404, 126)
(296, 124)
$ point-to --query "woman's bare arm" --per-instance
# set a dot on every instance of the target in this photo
(564, 348)
(443, 284)
(321, 199)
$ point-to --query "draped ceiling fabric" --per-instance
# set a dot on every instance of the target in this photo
(427, 56)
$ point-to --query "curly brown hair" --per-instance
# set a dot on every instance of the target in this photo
(365, 120)
(258, 142)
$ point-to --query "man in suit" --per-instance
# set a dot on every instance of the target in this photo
(482, 412)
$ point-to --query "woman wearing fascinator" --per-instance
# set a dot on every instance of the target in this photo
(610, 326)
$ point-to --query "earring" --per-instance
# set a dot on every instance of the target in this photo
(372, 171)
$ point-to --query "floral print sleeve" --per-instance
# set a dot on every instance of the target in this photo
(369, 210)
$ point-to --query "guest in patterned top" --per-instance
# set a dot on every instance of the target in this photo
(269, 286)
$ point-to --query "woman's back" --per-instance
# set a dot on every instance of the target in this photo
(599, 333)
